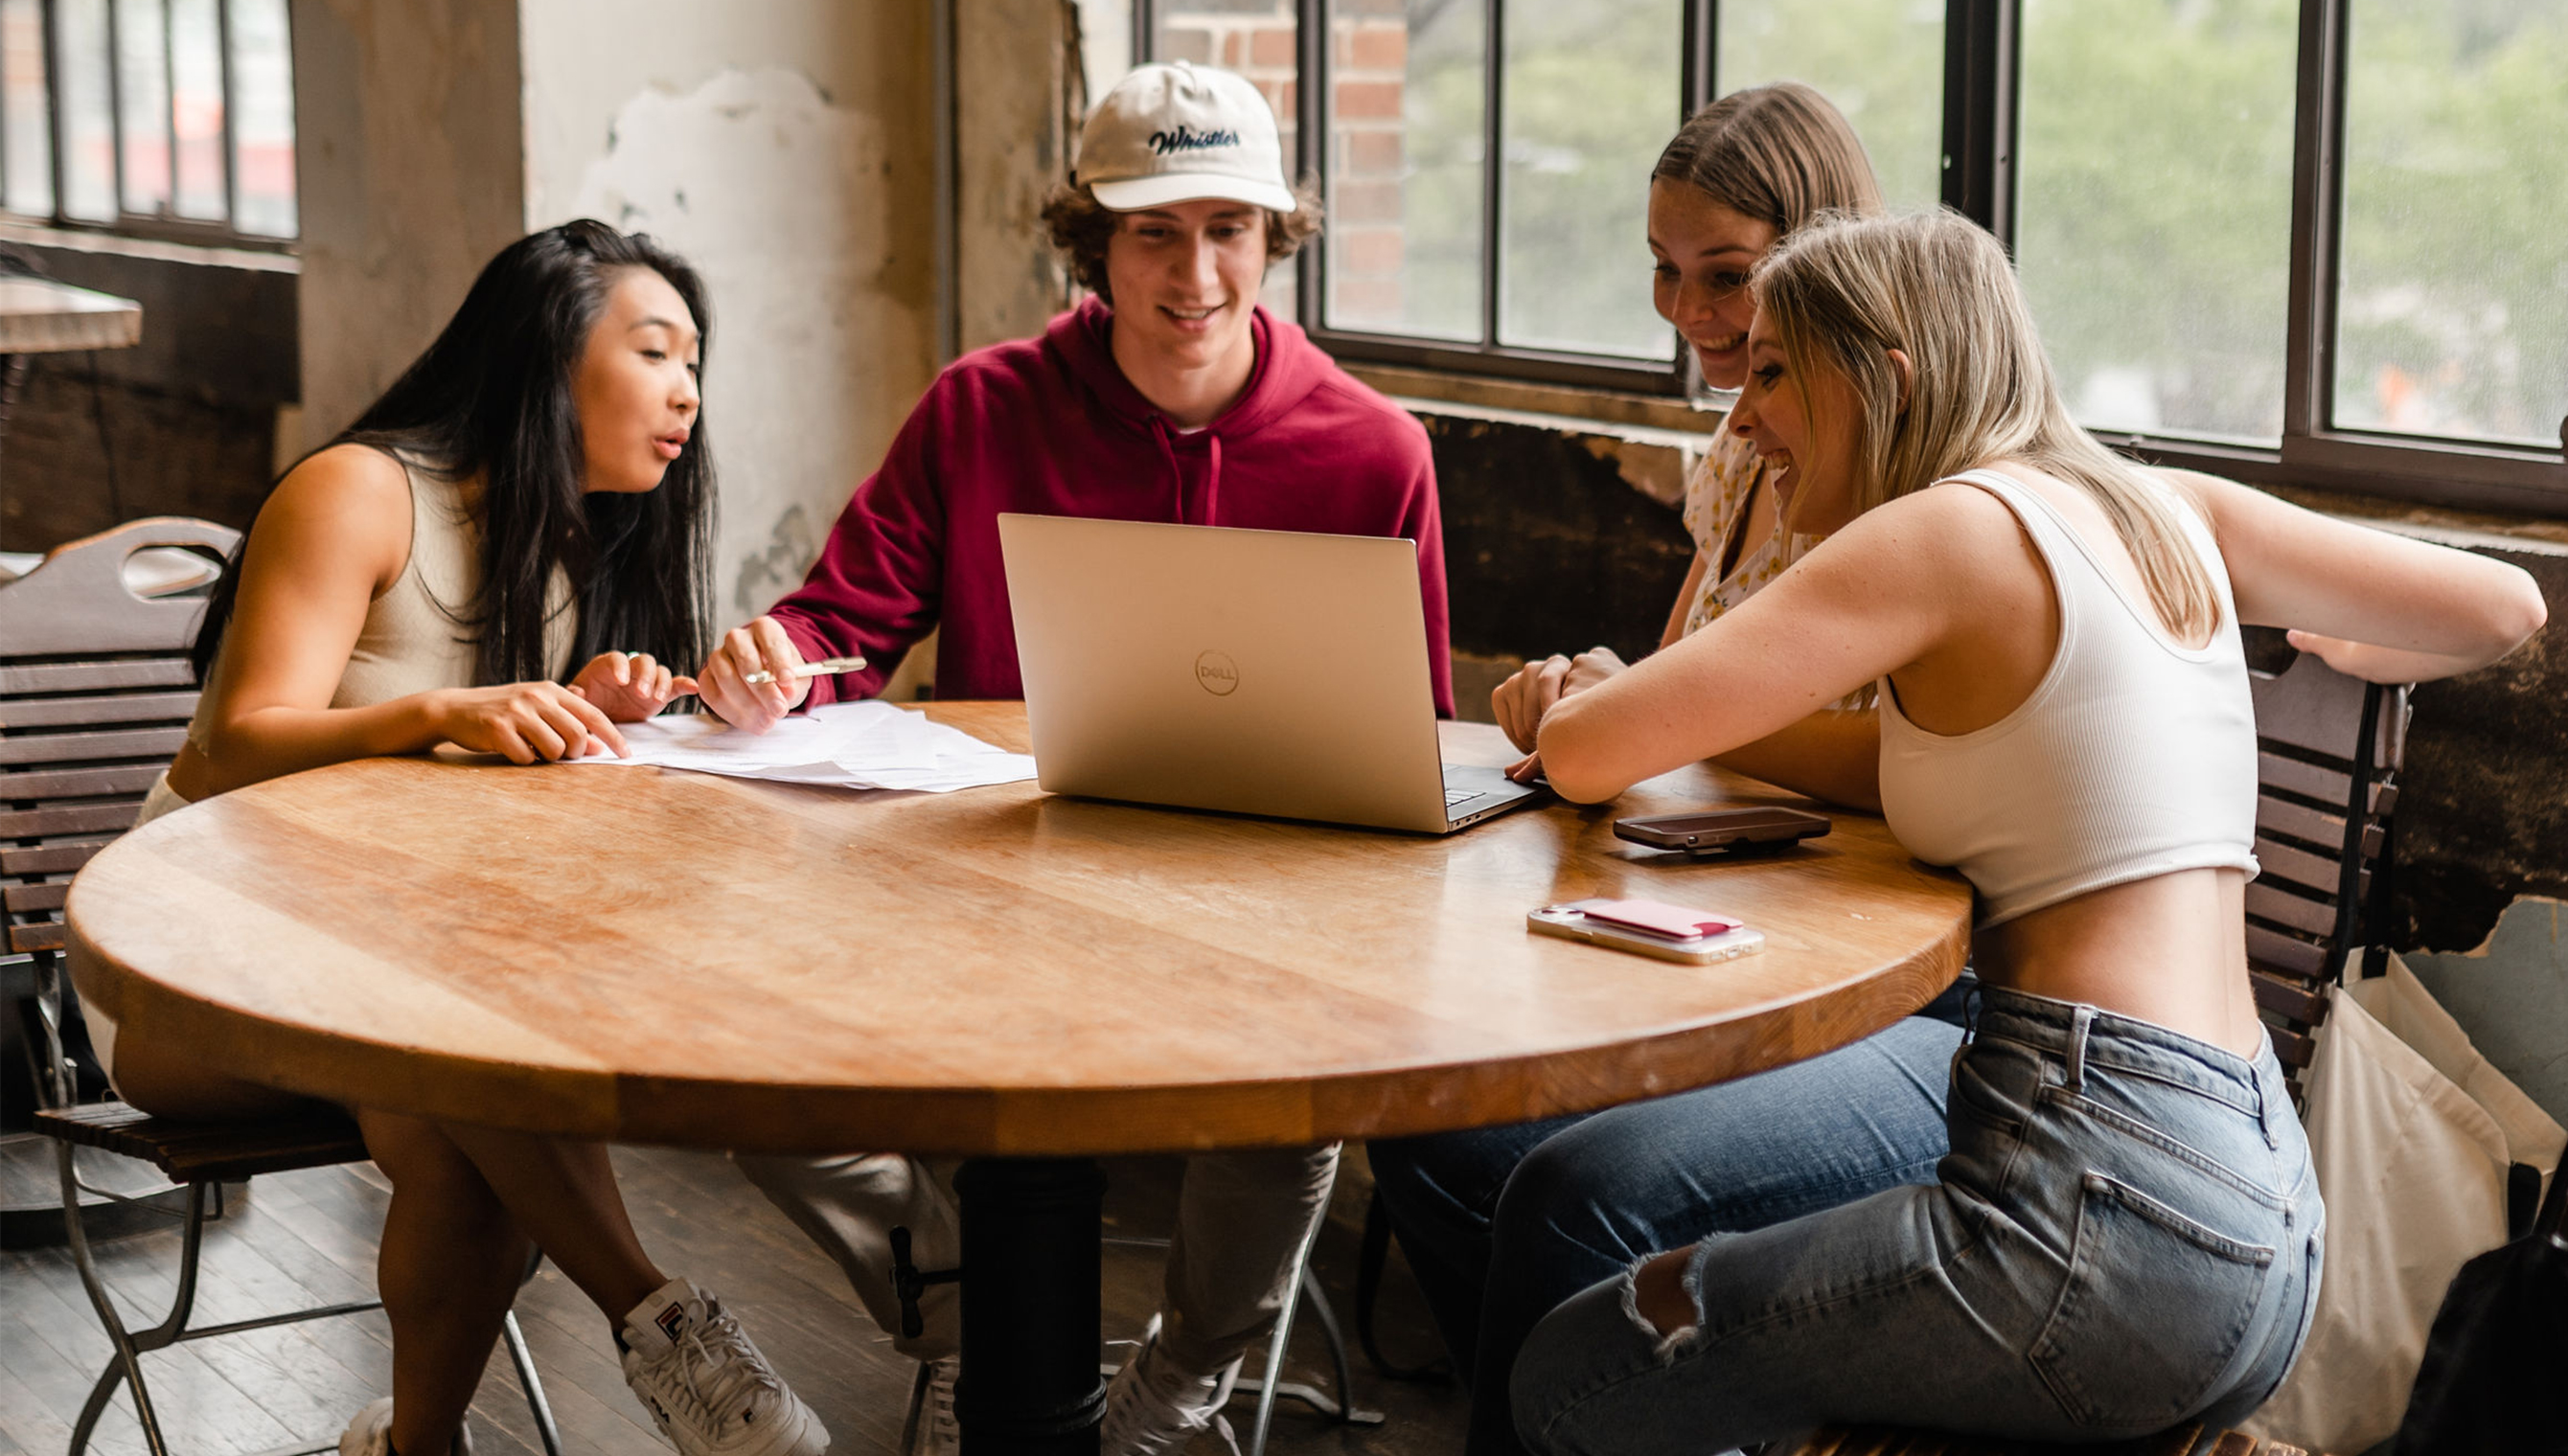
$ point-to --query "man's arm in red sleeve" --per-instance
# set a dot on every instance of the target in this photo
(877, 587)
(1425, 524)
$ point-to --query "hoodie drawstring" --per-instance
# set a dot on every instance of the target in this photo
(1177, 476)
(1176, 473)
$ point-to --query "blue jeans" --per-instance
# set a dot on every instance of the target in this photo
(1502, 1224)
(2126, 1236)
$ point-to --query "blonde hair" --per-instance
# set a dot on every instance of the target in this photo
(1843, 291)
(1779, 153)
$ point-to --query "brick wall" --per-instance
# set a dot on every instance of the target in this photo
(1368, 57)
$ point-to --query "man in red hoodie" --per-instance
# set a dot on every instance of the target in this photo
(1169, 396)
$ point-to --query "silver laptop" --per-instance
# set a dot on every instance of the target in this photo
(1278, 673)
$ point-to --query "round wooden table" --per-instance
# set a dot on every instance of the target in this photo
(1002, 973)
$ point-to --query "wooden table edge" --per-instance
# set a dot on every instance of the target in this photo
(1352, 1104)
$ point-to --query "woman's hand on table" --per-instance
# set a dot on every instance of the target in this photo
(1522, 700)
(524, 722)
(629, 686)
(760, 646)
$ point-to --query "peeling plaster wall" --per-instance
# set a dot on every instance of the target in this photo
(1019, 99)
(2484, 802)
(407, 152)
(786, 149)
(2511, 994)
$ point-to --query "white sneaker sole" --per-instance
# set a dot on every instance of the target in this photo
(799, 1433)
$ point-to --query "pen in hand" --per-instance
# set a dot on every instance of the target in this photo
(826, 666)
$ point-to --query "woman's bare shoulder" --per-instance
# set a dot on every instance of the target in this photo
(349, 498)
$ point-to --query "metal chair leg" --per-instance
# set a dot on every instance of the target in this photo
(1276, 1344)
(1346, 1414)
(531, 1383)
(917, 1407)
(1271, 1383)
(128, 1365)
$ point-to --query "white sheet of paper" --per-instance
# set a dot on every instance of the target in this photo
(866, 745)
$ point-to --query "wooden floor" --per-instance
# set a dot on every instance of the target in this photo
(308, 1238)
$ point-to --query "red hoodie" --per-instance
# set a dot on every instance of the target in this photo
(1053, 427)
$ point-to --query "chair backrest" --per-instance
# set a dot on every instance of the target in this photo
(96, 691)
(2328, 752)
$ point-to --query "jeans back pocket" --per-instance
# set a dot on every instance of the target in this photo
(2153, 1308)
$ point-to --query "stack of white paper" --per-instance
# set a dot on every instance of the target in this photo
(868, 744)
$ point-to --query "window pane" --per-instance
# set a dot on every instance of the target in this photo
(1880, 61)
(1407, 176)
(262, 119)
(1592, 94)
(143, 99)
(88, 131)
(1259, 38)
(29, 164)
(2153, 221)
(196, 114)
(2452, 318)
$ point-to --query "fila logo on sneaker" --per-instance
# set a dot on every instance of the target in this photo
(671, 1320)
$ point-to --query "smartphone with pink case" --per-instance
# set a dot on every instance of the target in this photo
(1647, 928)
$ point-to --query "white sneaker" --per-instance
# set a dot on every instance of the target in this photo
(1153, 1407)
(713, 1393)
(933, 1430)
(370, 1434)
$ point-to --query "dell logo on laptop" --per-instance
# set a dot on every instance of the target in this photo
(1217, 674)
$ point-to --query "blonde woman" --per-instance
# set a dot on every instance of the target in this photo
(2126, 1234)
(1501, 1224)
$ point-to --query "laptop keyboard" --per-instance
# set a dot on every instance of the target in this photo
(1454, 797)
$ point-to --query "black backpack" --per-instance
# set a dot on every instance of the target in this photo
(2496, 1374)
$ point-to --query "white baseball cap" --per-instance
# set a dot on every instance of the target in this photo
(1174, 132)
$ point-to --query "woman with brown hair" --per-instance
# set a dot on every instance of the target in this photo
(1501, 1224)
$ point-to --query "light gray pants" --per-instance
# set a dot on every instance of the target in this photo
(1243, 1220)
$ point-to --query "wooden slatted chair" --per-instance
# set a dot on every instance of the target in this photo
(2328, 753)
(96, 691)
(95, 694)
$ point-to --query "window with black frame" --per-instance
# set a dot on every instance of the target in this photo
(169, 119)
(2321, 242)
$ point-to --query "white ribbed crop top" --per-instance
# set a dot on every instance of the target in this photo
(2132, 757)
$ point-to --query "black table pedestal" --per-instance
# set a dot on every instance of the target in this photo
(1031, 1308)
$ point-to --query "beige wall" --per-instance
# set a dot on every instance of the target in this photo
(786, 147)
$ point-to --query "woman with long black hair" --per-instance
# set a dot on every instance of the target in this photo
(536, 492)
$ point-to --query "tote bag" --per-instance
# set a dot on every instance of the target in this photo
(2413, 1134)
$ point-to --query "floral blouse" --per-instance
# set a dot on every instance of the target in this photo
(1716, 508)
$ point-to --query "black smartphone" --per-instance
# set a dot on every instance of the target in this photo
(1723, 829)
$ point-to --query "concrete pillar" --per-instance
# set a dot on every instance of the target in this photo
(408, 165)
(1019, 99)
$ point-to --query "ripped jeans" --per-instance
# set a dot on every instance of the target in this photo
(2126, 1236)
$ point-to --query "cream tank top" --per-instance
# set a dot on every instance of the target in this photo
(416, 636)
(2134, 758)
